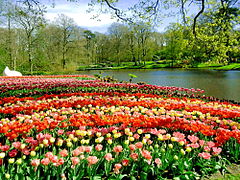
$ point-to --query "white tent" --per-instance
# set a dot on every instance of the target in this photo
(8, 72)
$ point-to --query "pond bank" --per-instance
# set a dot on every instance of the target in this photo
(159, 65)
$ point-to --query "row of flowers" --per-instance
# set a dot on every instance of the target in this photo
(112, 130)
(41, 86)
(4, 78)
(119, 149)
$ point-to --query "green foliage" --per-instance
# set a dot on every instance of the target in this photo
(63, 47)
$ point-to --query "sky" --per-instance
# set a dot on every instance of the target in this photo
(78, 11)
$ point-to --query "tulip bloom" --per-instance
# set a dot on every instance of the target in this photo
(134, 156)
(205, 155)
(92, 160)
(35, 162)
(146, 154)
(158, 161)
(117, 167)
(117, 149)
(98, 147)
(13, 153)
(45, 161)
(75, 161)
(76, 152)
(108, 157)
(63, 153)
(125, 162)
(139, 145)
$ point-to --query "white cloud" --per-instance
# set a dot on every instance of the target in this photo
(78, 11)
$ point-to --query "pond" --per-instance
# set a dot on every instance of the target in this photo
(220, 84)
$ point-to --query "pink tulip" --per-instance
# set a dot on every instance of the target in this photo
(88, 149)
(45, 161)
(60, 131)
(206, 148)
(25, 151)
(60, 162)
(63, 153)
(125, 162)
(195, 145)
(132, 147)
(146, 154)
(54, 159)
(139, 145)
(76, 152)
(92, 160)
(134, 156)
(149, 141)
(117, 167)
(81, 149)
(98, 147)
(75, 160)
(35, 162)
(5, 147)
(40, 136)
(16, 144)
(210, 144)
(205, 155)
(201, 142)
(136, 136)
(49, 155)
(13, 153)
(216, 150)
(193, 138)
(158, 161)
(117, 149)
(108, 157)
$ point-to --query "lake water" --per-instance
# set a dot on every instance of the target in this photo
(220, 84)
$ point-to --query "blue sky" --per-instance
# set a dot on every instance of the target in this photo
(78, 11)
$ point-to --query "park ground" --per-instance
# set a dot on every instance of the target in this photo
(162, 64)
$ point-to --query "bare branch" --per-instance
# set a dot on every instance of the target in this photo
(118, 12)
(155, 9)
(183, 12)
(195, 18)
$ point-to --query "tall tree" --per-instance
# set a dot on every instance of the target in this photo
(66, 26)
(155, 10)
(117, 32)
(132, 39)
(143, 32)
(7, 14)
(90, 37)
(30, 18)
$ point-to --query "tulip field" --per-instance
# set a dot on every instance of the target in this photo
(78, 127)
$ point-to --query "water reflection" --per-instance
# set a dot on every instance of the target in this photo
(221, 84)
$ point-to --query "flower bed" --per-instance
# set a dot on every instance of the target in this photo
(72, 129)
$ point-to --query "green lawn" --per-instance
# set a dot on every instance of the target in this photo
(162, 64)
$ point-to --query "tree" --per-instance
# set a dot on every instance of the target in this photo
(154, 10)
(90, 37)
(66, 26)
(131, 38)
(30, 18)
(216, 32)
(143, 32)
(117, 32)
(103, 48)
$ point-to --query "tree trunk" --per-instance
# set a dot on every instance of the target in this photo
(9, 42)
(30, 54)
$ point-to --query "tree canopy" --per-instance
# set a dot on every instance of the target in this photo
(30, 43)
